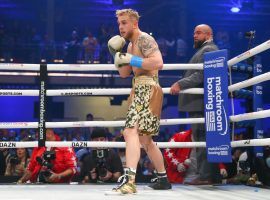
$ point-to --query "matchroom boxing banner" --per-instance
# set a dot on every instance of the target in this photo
(218, 142)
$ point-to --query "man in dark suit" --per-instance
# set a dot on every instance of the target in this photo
(194, 104)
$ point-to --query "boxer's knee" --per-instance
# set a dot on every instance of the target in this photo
(146, 142)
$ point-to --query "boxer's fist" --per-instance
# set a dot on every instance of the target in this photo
(116, 44)
(122, 59)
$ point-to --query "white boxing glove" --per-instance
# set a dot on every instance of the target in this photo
(223, 173)
(116, 44)
(123, 59)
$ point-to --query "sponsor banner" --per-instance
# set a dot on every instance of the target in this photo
(14, 124)
(10, 93)
(8, 145)
(258, 105)
(218, 144)
(79, 144)
(76, 94)
(42, 106)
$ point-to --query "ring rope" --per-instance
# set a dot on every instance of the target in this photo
(250, 116)
(88, 67)
(88, 92)
(254, 51)
(239, 143)
(125, 91)
(110, 67)
(249, 82)
(235, 118)
(58, 74)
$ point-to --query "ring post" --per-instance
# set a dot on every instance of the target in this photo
(258, 105)
(42, 105)
(218, 144)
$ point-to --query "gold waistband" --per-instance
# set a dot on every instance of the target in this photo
(145, 80)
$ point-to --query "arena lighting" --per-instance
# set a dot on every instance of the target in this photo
(238, 5)
(58, 61)
(235, 9)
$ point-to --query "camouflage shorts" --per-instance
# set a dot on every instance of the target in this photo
(145, 104)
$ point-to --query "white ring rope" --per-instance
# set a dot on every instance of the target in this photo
(125, 91)
(57, 74)
(88, 67)
(250, 82)
(110, 67)
(18, 144)
(240, 143)
(236, 118)
(9, 125)
(88, 92)
(110, 91)
(254, 51)
(250, 116)
(19, 66)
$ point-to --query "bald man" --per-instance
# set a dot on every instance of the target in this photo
(194, 104)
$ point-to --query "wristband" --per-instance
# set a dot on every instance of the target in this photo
(136, 61)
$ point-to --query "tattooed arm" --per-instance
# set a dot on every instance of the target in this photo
(149, 48)
(143, 54)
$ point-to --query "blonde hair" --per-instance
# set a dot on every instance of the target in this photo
(130, 12)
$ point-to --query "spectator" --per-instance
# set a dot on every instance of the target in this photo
(72, 48)
(147, 167)
(181, 50)
(53, 165)
(262, 167)
(17, 163)
(47, 49)
(101, 164)
(4, 159)
(87, 131)
(177, 160)
(229, 170)
(105, 57)
(243, 169)
(89, 45)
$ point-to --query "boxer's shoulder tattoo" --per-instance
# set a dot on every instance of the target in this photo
(147, 44)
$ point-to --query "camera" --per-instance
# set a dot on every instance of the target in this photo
(100, 155)
(244, 166)
(45, 162)
(250, 34)
(14, 160)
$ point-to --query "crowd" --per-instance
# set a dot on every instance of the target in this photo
(27, 44)
(92, 165)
